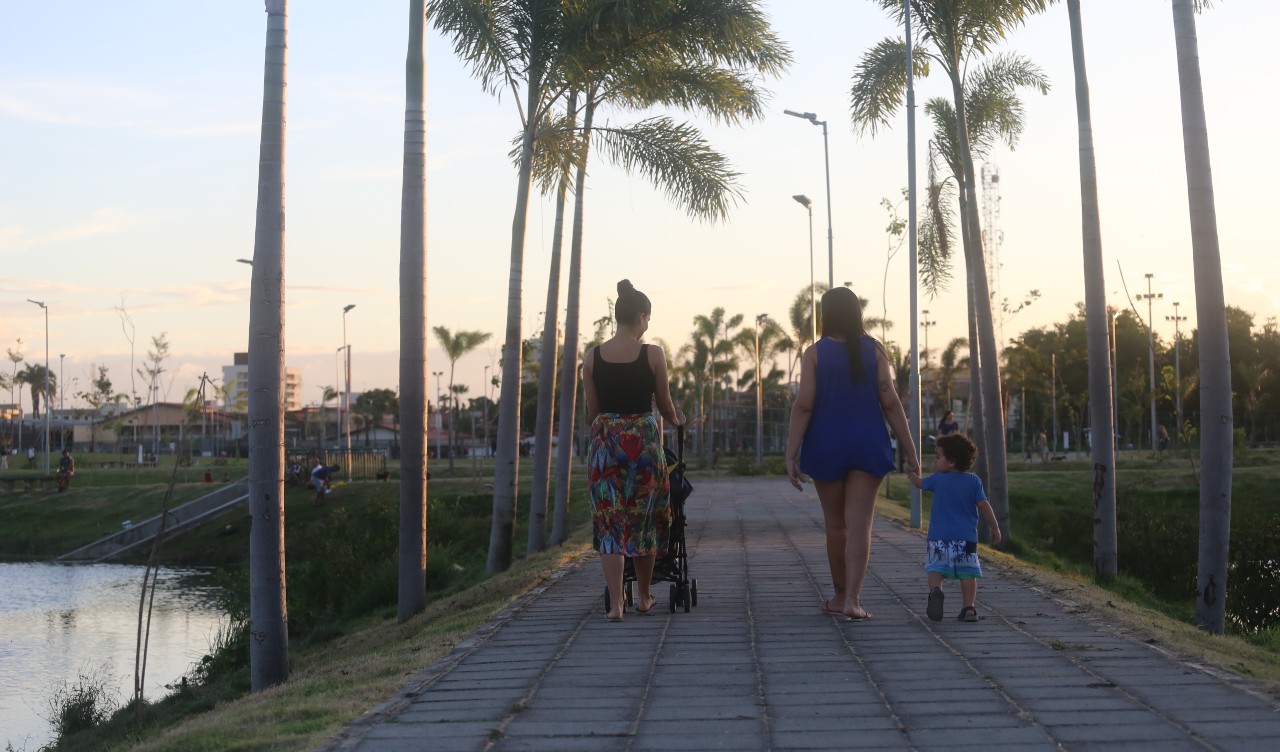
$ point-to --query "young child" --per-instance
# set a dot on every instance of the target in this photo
(958, 500)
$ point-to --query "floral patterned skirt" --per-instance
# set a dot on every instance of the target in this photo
(630, 491)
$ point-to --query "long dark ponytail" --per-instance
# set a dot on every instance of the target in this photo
(842, 317)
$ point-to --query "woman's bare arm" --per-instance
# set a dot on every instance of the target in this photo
(801, 412)
(662, 388)
(893, 412)
(589, 385)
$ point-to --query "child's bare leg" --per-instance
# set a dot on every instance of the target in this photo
(935, 580)
(969, 590)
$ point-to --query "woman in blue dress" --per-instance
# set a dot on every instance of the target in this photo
(838, 434)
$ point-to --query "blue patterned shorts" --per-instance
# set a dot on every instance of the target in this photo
(953, 559)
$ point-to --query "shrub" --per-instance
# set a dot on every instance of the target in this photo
(80, 706)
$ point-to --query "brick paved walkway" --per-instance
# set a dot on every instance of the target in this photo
(755, 666)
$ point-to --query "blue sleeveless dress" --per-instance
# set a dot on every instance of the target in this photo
(847, 429)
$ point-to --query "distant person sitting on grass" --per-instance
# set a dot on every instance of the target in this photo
(958, 501)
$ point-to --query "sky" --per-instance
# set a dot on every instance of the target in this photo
(128, 174)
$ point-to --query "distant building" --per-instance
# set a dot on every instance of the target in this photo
(235, 379)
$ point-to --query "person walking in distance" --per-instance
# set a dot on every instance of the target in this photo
(626, 468)
(838, 439)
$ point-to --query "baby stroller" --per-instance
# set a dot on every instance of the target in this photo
(673, 565)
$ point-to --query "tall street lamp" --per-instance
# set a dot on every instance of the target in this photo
(1115, 386)
(46, 382)
(62, 390)
(347, 386)
(925, 325)
(439, 415)
(1151, 353)
(759, 394)
(485, 403)
(804, 201)
(1178, 367)
(826, 161)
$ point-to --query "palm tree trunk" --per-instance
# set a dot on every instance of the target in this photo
(993, 418)
(569, 361)
(412, 578)
(268, 623)
(1216, 425)
(1105, 549)
(977, 424)
(542, 433)
(506, 471)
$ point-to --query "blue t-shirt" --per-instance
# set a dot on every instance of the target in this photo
(954, 514)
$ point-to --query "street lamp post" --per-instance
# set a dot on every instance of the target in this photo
(1115, 387)
(804, 201)
(826, 162)
(760, 318)
(1151, 352)
(485, 404)
(46, 382)
(925, 324)
(439, 414)
(62, 390)
(1177, 366)
(347, 387)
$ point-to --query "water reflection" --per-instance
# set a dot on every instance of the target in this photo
(58, 622)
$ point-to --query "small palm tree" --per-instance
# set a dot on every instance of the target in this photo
(455, 346)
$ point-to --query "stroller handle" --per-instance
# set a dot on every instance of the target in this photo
(680, 442)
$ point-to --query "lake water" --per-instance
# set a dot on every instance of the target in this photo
(58, 622)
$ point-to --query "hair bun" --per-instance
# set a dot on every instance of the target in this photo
(625, 287)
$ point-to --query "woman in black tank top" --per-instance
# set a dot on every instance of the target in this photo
(627, 472)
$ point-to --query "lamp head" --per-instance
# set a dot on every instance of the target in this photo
(803, 200)
(812, 118)
(39, 303)
(245, 261)
(346, 308)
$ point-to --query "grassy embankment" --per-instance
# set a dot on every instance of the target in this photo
(347, 653)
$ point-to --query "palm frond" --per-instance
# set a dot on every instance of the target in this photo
(934, 245)
(992, 104)
(725, 95)
(676, 159)
(557, 147)
(880, 84)
(485, 34)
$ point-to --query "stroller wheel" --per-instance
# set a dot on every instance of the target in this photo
(684, 597)
(631, 594)
(693, 592)
(607, 605)
(675, 596)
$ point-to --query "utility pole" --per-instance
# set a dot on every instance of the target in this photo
(1177, 367)
(1053, 398)
(1151, 353)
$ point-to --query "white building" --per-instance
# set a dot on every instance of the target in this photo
(235, 380)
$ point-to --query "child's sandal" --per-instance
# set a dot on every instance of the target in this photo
(968, 613)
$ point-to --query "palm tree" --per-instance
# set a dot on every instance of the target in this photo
(720, 349)
(1211, 325)
(705, 56)
(412, 578)
(40, 381)
(510, 45)
(455, 346)
(949, 365)
(1102, 450)
(268, 623)
(961, 31)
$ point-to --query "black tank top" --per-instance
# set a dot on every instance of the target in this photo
(625, 388)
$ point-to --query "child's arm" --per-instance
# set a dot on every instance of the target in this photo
(915, 478)
(989, 516)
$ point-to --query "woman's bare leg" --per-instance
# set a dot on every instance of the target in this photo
(831, 495)
(859, 511)
(644, 578)
(613, 565)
